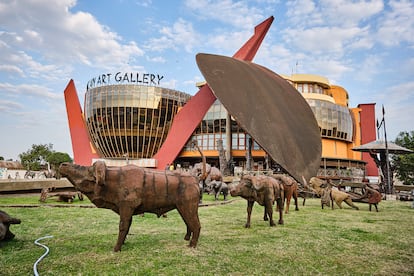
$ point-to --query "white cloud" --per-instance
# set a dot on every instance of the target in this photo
(303, 12)
(7, 106)
(321, 39)
(179, 36)
(51, 31)
(236, 13)
(399, 111)
(369, 66)
(349, 13)
(29, 90)
(397, 26)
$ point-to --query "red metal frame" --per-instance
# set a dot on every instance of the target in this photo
(83, 151)
(190, 116)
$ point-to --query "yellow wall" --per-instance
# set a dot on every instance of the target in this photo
(357, 134)
(339, 94)
(334, 149)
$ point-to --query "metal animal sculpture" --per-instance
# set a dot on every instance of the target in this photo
(217, 188)
(329, 193)
(205, 172)
(264, 190)
(5, 222)
(132, 190)
(291, 189)
(370, 195)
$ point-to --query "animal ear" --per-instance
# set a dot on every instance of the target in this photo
(100, 172)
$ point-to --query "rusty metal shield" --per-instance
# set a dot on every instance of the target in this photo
(268, 108)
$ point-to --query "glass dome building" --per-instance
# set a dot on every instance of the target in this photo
(128, 120)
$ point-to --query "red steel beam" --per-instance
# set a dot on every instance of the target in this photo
(83, 152)
(190, 116)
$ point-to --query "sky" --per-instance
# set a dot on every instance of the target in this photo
(366, 47)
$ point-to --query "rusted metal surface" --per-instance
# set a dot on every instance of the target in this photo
(269, 109)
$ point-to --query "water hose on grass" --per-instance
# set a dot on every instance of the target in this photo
(44, 255)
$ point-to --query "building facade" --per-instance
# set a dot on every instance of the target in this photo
(127, 122)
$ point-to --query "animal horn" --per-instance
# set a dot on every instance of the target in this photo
(305, 183)
(203, 158)
(100, 172)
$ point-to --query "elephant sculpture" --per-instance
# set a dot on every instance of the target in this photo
(291, 190)
(131, 190)
(264, 190)
(217, 188)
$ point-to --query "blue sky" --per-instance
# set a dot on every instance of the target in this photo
(367, 47)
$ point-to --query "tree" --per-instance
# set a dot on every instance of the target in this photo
(57, 158)
(34, 158)
(404, 164)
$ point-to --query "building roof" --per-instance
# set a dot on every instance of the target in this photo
(379, 146)
(11, 165)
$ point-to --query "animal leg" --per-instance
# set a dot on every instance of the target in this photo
(125, 222)
(189, 214)
(339, 203)
(265, 217)
(280, 209)
(269, 212)
(287, 203)
(219, 192)
(350, 203)
(295, 197)
(249, 213)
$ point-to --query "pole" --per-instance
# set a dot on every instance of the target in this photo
(387, 161)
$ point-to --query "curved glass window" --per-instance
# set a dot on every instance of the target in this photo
(130, 120)
(334, 120)
(213, 128)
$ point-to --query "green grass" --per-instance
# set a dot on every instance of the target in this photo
(311, 242)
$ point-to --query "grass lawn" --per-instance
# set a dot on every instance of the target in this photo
(311, 242)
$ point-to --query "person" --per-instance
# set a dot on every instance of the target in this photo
(167, 167)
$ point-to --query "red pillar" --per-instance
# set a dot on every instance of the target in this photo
(83, 152)
(368, 134)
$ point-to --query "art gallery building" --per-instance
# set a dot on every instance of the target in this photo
(131, 119)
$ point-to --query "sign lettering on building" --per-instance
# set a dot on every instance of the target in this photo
(124, 78)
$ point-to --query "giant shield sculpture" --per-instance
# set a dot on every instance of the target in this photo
(269, 109)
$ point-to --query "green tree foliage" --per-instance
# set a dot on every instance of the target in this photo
(404, 164)
(37, 157)
(34, 158)
(57, 158)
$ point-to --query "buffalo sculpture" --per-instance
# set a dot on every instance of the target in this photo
(264, 190)
(290, 186)
(131, 190)
(5, 221)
